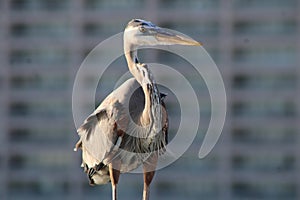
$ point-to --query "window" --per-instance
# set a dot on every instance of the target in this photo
(97, 29)
(264, 163)
(41, 57)
(278, 108)
(18, 30)
(264, 190)
(23, 187)
(192, 190)
(47, 160)
(191, 4)
(52, 81)
(265, 3)
(55, 108)
(50, 30)
(31, 81)
(20, 56)
(196, 29)
(16, 135)
(16, 161)
(264, 135)
(19, 4)
(266, 28)
(49, 188)
(92, 29)
(47, 135)
(19, 109)
(263, 82)
(51, 5)
(112, 4)
(268, 56)
(210, 163)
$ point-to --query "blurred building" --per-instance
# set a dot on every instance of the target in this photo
(256, 45)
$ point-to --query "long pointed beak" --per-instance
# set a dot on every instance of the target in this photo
(169, 37)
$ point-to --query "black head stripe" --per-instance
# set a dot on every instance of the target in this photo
(139, 22)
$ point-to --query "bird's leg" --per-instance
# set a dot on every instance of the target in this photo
(114, 173)
(149, 171)
(148, 176)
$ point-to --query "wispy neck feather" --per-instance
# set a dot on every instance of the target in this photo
(151, 115)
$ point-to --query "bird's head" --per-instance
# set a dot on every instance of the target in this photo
(140, 33)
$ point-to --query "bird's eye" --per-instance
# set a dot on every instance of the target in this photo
(142, 29)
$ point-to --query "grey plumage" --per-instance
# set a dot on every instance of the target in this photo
(98, 134)
(130, 127)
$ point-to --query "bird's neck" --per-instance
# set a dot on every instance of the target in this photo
(152, 111)
(131, 58)
(139, 70)
(151, 114)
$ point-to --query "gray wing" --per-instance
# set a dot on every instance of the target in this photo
(99, 132)
(97, 135)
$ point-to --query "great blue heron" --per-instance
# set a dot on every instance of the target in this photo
(129, 128)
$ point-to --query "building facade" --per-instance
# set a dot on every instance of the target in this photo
(255, 44)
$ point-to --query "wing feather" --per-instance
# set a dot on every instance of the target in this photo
(98, 135)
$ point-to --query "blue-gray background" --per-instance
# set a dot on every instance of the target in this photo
(256, 45)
